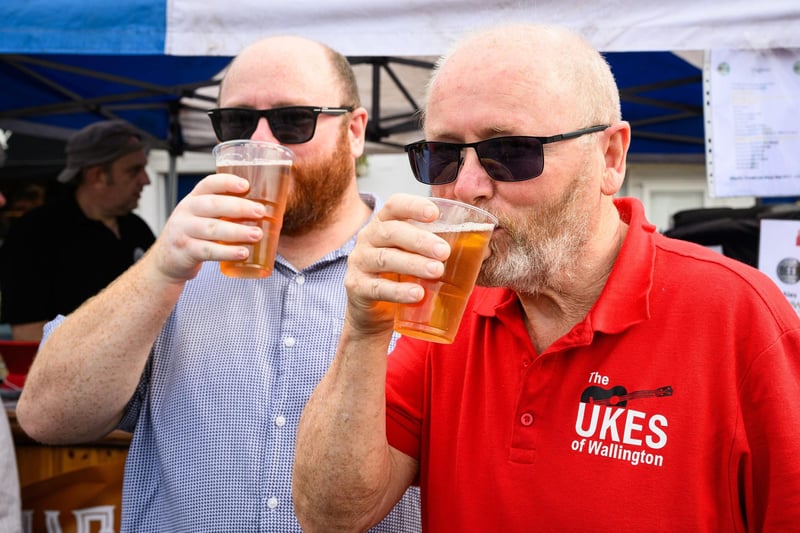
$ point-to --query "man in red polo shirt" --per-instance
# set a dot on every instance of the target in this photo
(604, 377)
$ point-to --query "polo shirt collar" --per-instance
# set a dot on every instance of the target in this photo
(625, 299)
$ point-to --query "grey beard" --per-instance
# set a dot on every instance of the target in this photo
(528, 269)
(542, 250)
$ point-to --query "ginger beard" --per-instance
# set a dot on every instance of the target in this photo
(317, 189)
(540, 249)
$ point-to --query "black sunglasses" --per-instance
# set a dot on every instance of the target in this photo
(289, 125)
(516, 158)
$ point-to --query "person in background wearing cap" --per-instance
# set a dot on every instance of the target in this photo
(58, 255)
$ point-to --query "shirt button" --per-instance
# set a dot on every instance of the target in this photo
(525, 363)
(289, 341)
(280, 421)
(300, 279)
(272, 503)
(526, 419)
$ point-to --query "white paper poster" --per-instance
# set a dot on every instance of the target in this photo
(752, 110)
(779, 256)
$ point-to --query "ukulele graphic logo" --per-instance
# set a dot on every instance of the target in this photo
(607, 427)
(619, 396)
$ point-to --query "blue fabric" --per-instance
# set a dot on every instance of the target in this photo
(118, 78)
(85, 27)
(217, 410)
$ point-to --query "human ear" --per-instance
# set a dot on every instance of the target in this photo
(357, 131)
(617, 140)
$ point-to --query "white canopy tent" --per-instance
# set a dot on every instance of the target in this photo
(372, 32)
(376, 33)
(421, 27)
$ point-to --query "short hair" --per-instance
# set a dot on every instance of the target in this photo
(343, 70)
(582, 68)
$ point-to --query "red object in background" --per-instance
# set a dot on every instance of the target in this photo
(17, 356)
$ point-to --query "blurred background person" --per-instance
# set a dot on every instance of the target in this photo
(10, 502)
(59, 254)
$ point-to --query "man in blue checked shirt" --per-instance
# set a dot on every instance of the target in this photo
(211, 373)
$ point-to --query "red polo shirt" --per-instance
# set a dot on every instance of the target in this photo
(671, 406)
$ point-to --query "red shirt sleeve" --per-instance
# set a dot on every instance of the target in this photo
(405, 384)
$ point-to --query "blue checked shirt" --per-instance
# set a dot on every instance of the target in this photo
(216, 412)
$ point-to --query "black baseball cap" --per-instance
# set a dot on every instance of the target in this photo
(100, 143)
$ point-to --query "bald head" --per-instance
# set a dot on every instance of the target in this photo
(304, 61)
(552, 66)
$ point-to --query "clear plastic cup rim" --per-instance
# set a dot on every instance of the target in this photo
(491, 217)
(286, 153)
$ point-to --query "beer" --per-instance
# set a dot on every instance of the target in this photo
(437, 316)
(269, 185)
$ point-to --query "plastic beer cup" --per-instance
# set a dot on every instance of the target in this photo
(436, 318)
(267, 166)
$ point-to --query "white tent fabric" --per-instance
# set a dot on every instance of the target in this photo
(422, 27)
(371, 29)
(383, 27)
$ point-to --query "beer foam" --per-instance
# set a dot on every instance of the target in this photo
(443, 227)
(252, 162)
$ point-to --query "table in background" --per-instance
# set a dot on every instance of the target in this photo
(77, 486)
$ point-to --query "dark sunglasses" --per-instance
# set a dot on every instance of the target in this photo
(289, 125)
(516, 158)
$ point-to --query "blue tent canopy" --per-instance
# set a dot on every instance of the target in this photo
(126, 27)
(662, 97)
(53, 95)
(65, 64)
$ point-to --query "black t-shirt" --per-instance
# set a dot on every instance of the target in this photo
(54, 258)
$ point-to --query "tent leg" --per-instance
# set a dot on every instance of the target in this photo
(172, 185)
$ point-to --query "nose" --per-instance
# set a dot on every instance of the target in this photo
(263, 132)
(472, 182)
